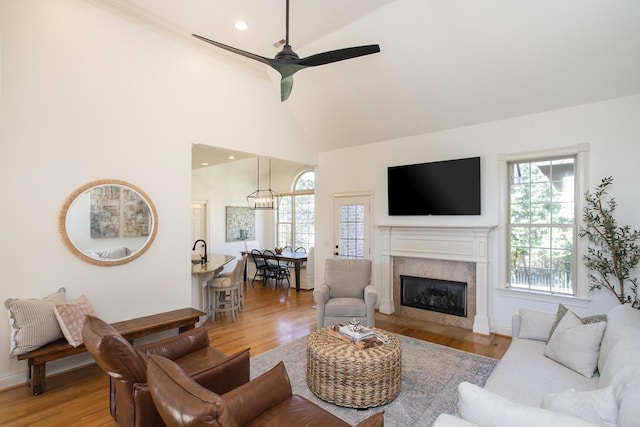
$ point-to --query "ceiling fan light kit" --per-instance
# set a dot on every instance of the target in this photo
(287, 62)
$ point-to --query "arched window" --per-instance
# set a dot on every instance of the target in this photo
(305, 181)
(296, 213)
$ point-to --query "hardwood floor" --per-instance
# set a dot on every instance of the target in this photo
(269, 319)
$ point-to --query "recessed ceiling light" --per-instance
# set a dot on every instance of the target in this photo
(204, 164)
(241, 25)
(231, 157)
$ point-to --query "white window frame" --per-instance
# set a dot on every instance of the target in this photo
(581, 279)
(293, 194)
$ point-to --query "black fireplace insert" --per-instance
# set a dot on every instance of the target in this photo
(443, 296)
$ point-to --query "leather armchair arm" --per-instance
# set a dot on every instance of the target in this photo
(232, 373)
(257, 396)
(144, 411)
(179, 345)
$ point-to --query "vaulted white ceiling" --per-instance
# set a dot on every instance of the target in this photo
(443, 63)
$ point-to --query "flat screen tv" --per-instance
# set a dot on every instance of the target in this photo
(450, 187)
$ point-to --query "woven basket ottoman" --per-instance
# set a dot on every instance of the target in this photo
(346, 374)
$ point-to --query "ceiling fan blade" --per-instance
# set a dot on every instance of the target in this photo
(287, 62)
(338, 55)
(235, 50)
(286, 84)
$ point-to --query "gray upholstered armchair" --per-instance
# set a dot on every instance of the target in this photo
(346, 293)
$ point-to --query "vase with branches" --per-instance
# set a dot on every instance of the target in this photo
(613, 252)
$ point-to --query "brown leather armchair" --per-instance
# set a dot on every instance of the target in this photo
(130, 401)
(266, 401)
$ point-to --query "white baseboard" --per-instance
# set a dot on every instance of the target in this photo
(14, 379)
(501, 329)
(56, 367)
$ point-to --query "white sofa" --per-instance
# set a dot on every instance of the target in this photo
(528, 388)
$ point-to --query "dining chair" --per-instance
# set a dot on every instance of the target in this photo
(277, 269)
(302, 249)
(261, 266)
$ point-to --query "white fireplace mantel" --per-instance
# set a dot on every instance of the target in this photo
(467, 244)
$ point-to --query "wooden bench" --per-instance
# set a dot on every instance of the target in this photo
(183, 319)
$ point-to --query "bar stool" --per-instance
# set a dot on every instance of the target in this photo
(226, 292)
(224, 300)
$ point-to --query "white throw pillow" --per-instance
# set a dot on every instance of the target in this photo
(598, 406)
(487, 409)
(71, 317)
(535, 325)
(576, 345)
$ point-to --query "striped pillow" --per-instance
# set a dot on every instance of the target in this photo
(33, 322)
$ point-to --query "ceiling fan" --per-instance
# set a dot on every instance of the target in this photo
(287, 62)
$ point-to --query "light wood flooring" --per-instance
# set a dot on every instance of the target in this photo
(269, 319)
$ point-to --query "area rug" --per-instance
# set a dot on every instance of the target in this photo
(430, 377)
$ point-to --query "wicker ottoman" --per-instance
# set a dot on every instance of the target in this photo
(348, 375)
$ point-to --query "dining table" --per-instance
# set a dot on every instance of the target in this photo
(296, 258)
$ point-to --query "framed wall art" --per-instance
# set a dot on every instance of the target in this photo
(240, 223)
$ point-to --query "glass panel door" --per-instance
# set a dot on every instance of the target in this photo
(352, 229)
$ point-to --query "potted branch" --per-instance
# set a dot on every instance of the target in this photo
(613, 253)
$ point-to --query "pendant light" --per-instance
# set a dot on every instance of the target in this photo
(264, 199)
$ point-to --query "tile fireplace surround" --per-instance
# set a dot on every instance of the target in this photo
(407, 246)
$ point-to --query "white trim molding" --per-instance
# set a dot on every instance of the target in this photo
(467, 244)
(581, 279)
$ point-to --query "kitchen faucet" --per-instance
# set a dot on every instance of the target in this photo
(203, 259)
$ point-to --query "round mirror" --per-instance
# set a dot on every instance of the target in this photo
(108, 222)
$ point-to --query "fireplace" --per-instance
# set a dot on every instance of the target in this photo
(443, 296)
(458, 254)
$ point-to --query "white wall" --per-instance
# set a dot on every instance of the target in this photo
(612, 129)
(88, 95)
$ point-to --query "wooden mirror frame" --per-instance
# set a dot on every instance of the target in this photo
(62, 223)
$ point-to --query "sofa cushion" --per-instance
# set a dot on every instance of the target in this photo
(535, 325)
(622, 372)
(576, 345)
(623, 321)
(33, 322)
(71, 317)
(597, 406)
(486, 409)
(447, 420)
(512, 378)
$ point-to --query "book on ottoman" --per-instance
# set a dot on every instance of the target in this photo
(356, 336)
